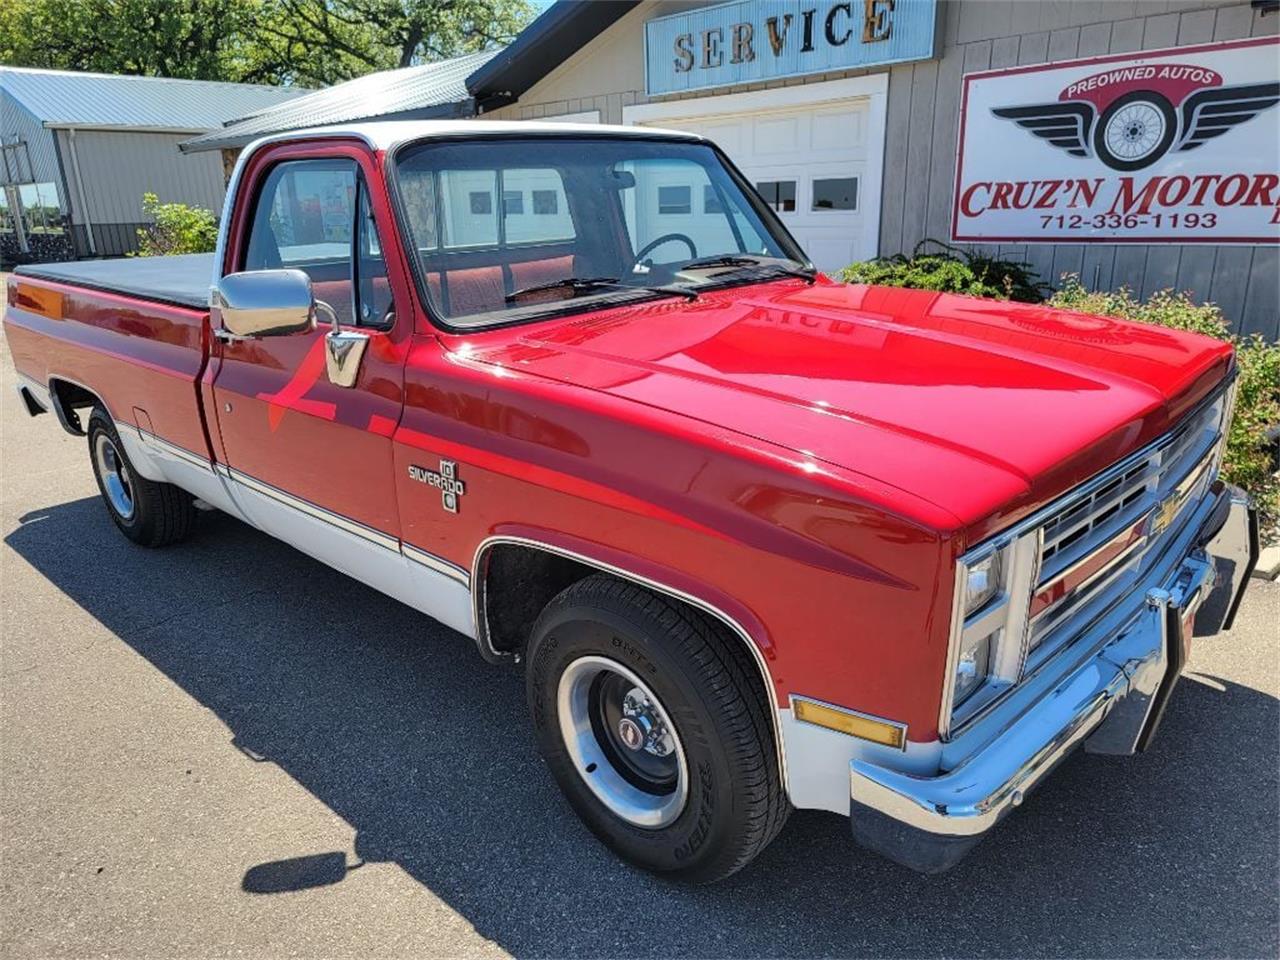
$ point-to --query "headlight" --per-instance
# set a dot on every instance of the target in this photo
(973, 667)
(993, 594)
(983, 582)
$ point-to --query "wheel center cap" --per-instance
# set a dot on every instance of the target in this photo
(630, 734)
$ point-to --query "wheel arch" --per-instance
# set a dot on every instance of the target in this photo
(563, 566)
(67, 396)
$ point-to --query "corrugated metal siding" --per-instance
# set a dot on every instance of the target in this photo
(922, 123)
(118, 168)
(65, 98)
(15, 120)
(379, 94)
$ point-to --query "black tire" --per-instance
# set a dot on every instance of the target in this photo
(1152, 100)
(162, 513)
(708, 685)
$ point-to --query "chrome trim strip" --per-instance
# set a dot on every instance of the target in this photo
(897, 725)
(482, 631)
(316, 512)
(438, 564)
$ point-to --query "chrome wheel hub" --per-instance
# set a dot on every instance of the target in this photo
(116, 479)
(643, 726)
(622, 742)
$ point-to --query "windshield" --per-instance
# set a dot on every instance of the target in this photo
(513, 228)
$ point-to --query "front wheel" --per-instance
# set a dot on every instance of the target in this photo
(655, 728)
(148, 512)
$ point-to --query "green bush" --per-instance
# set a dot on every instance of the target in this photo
(951, 270)
(176, 228)
(1248, 462)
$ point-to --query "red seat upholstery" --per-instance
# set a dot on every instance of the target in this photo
(533, 272)
(481, 289)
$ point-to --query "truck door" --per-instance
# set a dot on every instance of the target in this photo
(310, 459)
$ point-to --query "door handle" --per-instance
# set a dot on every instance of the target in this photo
(343, 352)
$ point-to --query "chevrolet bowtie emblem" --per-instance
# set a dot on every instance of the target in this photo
(1164, 513)
(445, 480)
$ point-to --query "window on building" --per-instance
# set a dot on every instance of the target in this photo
(840, 193)
(545, 202)
(512, 203)
(674, 200)
(779, 194)
(481, 202)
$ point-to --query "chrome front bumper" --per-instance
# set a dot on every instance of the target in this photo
(1111, 703)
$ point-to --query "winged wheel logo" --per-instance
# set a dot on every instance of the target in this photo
(1132, 116)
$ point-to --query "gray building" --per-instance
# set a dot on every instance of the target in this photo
(78, 151)
(847, 116)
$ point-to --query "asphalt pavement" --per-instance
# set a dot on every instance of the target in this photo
(227, 749)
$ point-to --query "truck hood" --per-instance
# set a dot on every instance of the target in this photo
(985, 409)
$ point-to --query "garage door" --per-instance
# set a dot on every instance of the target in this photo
(810, 165)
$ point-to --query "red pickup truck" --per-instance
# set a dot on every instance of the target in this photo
(760, 540)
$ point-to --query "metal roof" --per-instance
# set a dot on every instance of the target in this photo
(560, 32)
(425, 91)
(61, 98)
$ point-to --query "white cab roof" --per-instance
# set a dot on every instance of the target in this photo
(385, 134)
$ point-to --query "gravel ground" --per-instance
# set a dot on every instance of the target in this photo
(227, 749)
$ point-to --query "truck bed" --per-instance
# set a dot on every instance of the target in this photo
(181, 281)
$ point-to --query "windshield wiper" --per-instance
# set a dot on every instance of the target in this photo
(746, 260)
(587, 284)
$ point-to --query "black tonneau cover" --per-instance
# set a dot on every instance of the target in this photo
(182, 281)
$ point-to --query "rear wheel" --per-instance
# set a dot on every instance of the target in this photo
(652, 721)
(148, 512)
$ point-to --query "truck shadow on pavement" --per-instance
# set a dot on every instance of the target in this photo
(397, 725)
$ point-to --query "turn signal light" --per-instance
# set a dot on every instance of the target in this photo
(854, 724)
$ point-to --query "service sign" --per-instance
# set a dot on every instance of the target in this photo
(752, 40)
(1176, 146)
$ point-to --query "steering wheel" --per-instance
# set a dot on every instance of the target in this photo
(665, 238)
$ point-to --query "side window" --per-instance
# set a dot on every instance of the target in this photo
(306, 219)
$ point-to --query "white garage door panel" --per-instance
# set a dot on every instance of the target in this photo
(806, 147)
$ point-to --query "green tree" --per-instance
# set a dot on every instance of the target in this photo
(308, 42)
(192, 39)
(320, 42)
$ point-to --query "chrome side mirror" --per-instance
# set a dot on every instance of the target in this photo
(263, 303)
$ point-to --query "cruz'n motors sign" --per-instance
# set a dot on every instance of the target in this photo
(751, 40)
(1176, 146)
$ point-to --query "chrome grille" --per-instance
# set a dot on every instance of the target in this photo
(1104, 535)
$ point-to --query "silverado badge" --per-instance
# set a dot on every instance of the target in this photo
(446, 481)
